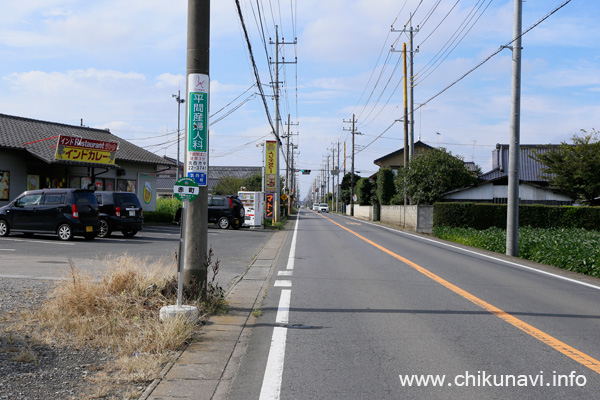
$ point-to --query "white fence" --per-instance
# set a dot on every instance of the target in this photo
(411, 218)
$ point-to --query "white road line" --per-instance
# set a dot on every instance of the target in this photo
(283, 311)
(292, 257)
(539, 271)
(283, 283)
(8, 249)
(271, 386)
(284, 273)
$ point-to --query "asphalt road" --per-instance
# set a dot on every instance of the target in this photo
(47, 257)
(371, 308)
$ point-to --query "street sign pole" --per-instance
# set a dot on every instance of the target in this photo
(186, 190)
(181, 253)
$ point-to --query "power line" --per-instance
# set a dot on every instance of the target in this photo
(256, 74)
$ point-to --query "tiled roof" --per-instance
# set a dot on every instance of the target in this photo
(39, 137)
(530, 170)
(401, 151)
(214, 173)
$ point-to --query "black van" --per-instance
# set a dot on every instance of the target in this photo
(64, 212)
(119, 211)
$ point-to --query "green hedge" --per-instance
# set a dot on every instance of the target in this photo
(158, 216)
(483, 216)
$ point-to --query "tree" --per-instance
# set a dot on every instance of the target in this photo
(345, 187)
(575, 168)
(385, 186)
(253, 183)
(432, 174)
(364, 191)
(228, 185)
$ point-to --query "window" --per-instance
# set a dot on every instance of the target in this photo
(30, 200)
(54, 198)
(218, 201)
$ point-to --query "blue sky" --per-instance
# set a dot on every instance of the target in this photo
(115, 64)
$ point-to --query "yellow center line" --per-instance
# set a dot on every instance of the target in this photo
(556, 344)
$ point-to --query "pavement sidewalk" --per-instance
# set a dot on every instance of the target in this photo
(206, 367)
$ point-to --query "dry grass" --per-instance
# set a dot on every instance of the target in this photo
(119, 315)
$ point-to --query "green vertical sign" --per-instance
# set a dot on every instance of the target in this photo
(197, 129)
(198, 122)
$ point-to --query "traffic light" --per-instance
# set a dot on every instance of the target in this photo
(306, 172)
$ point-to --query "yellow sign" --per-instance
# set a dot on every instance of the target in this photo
(85, 150)
(271, 158)
(270, 166)
(283, 197)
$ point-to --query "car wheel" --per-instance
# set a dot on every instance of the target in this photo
(242, 212)
(236, 225)
(4, 228)
(129, 234)
(65, 232)
(223, 223)
(104, 231)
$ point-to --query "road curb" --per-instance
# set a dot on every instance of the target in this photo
(206, 366)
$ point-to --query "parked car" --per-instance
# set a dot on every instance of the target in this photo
(315, 207)
(119, 211)
(323, 207)
(64, 212)
(225, 211)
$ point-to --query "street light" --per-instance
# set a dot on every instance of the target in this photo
(179, 101)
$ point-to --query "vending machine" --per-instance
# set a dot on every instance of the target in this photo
(253, 208)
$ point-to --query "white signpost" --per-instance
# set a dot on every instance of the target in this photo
(186, 190)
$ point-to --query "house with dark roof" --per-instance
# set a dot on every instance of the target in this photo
(395, 159)
(167, 177)
(29, 160)
(533, 185)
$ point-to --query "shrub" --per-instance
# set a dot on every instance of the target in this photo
(159, 217)
(483, 216)
(573, 249)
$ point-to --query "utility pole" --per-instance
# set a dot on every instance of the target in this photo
(337, 198)
(277, 196)
(196, 133)
(352, 164)
(512, 214)
(289, 166)
(179, 101)
(406, 150)
(412, 52)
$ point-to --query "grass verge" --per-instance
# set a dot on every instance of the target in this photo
(572, 249)
(119, 316)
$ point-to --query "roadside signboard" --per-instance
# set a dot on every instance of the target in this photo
(197, 141)
(85, 150)
(270, 205)
(270, 166)
(186, 189)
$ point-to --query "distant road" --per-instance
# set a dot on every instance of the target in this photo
(371, 313)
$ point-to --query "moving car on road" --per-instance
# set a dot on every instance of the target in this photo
(64, 212)
(323, 207)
